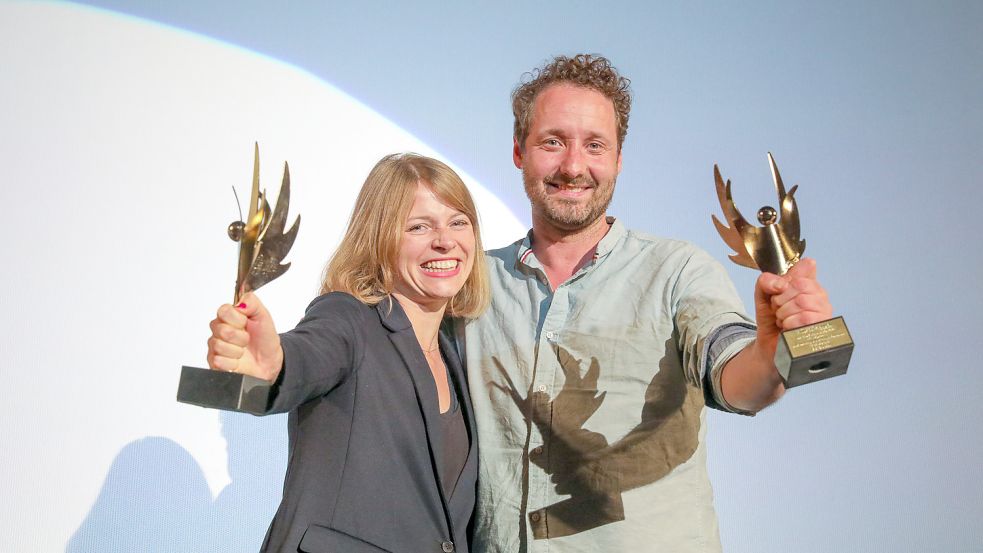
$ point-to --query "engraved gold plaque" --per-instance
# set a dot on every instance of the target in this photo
(814, 352)
(817, 337)
(807, 354)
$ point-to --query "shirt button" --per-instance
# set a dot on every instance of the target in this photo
(538, 450)
(447, 546)
(535, 516)
(550, 335)
(542, 388)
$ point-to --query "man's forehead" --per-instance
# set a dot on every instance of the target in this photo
(566, 89)
(566, 99)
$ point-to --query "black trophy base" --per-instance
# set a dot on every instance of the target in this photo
(814, 352)
(223, 390)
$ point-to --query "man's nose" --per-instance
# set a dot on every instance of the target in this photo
(573, 163)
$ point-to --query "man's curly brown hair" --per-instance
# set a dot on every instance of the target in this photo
(587, 70)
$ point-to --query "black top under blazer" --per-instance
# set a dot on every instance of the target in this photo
(363, 473)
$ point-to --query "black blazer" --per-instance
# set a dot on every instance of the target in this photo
(363, 473)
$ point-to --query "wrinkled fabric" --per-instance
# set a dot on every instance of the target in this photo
(590, 399)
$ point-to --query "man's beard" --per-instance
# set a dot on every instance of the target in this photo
(564, 213)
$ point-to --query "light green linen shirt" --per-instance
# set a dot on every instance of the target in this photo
(590, 399)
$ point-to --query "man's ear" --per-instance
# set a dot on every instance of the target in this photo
(619, 161)
(517, 154)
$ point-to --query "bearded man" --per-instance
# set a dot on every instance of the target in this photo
(592, 369)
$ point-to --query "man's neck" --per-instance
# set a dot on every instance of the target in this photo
(563, 252)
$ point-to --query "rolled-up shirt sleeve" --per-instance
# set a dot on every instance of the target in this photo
(721, 346)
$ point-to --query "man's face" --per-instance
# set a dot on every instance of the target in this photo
(570, 160)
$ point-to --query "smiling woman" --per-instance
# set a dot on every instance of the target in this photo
(381, 419)
(405, 200)
(124, 137)
(437, 253)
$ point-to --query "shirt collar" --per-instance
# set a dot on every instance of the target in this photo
(604, 247)
(611, 239)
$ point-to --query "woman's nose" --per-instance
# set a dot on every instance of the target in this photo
(443, 239)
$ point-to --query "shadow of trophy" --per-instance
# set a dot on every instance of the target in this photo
(807, 354)
(262, 246)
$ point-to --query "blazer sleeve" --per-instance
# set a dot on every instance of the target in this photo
(321, 352)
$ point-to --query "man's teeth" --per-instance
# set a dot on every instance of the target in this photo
(567, 186)
(442, 265)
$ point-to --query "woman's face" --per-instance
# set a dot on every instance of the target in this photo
(436, 253)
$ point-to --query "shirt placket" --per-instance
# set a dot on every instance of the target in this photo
(546, 381)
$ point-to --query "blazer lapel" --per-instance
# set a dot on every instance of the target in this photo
(404, 340)
(459, 379)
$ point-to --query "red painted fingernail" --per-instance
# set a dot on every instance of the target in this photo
(241, 306)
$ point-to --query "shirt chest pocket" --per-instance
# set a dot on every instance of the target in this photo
(619, 359)
(615, 378)
(622, 351)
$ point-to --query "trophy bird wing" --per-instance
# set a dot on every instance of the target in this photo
(741, 232)
(788, 222)
(274, 242)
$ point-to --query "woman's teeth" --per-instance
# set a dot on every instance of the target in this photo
(443, 265)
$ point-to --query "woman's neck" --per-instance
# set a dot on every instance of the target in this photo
(425, 319)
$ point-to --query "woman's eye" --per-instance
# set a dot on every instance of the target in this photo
(460, 223)
(417, 229)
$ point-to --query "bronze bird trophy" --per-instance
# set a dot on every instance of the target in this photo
(262, 246)
(807, 354)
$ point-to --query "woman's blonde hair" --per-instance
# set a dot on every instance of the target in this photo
(364, 265)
